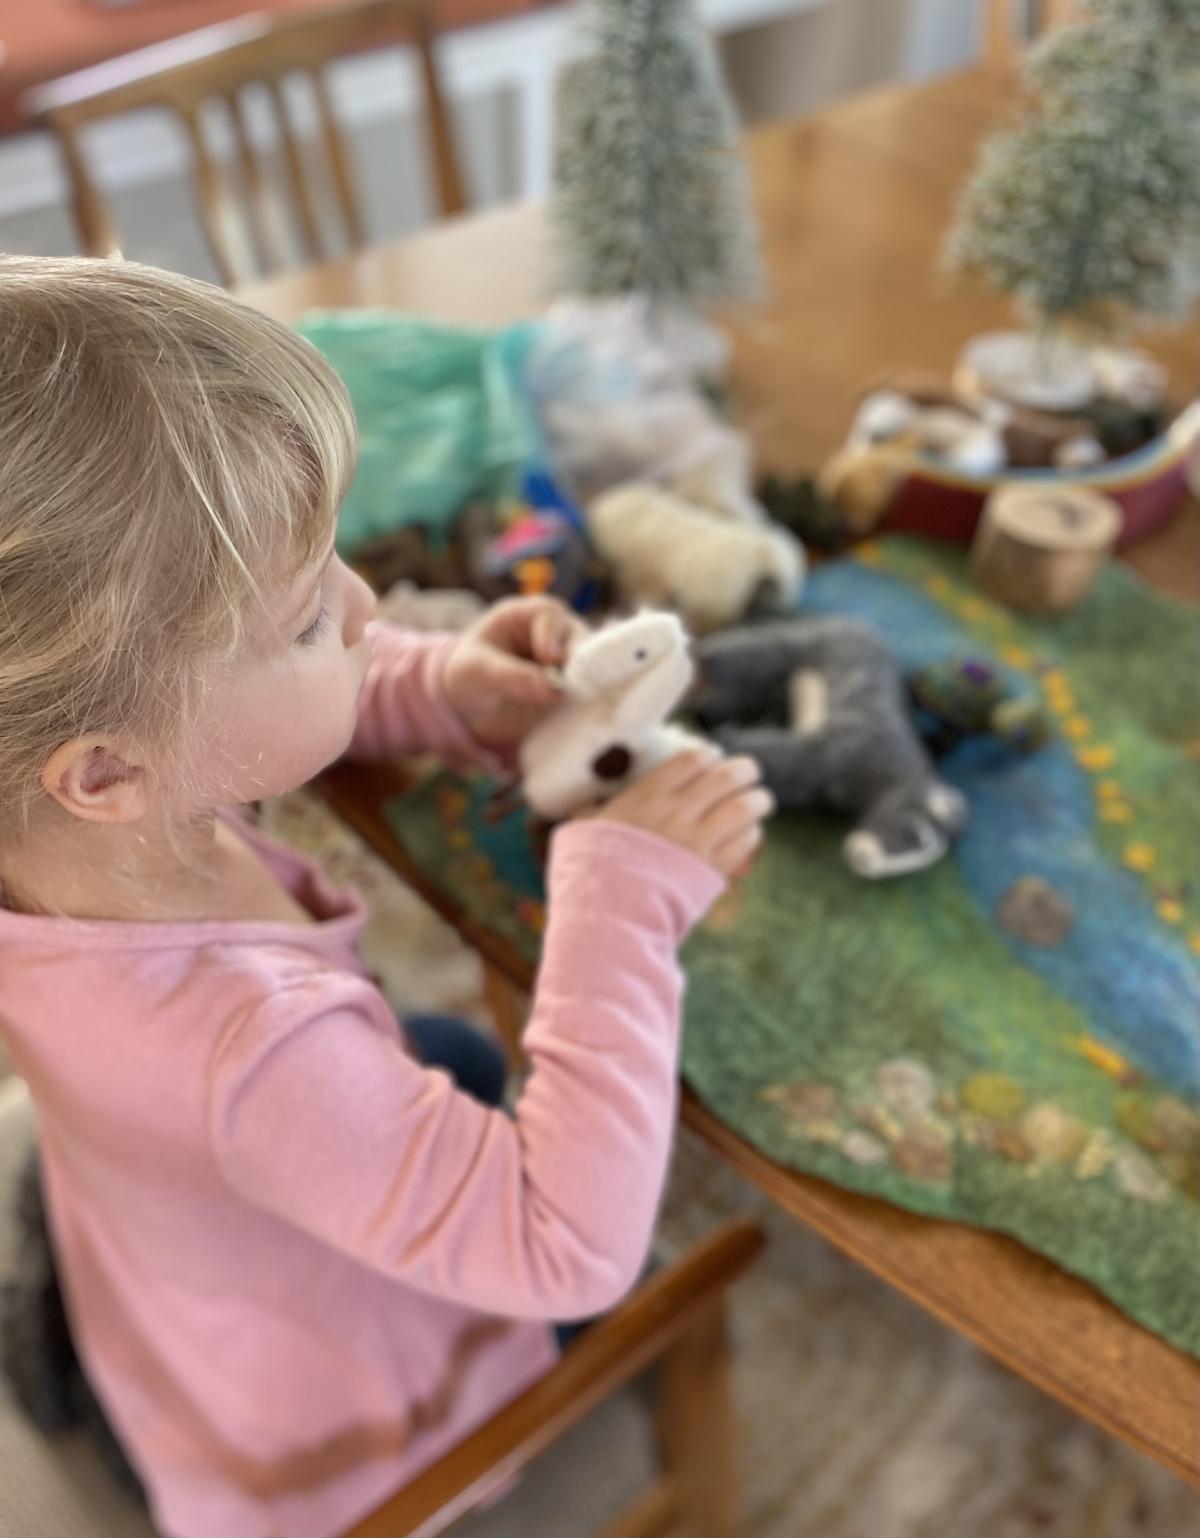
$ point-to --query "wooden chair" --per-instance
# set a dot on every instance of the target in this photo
(217, 65)
(1003, 40)
(675, 1321)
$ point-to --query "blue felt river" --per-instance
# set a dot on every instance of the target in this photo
(1034, 816)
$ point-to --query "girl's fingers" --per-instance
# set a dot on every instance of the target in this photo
(736, 815)
(731, 778)
(551, 632)
(519, 625)
(522, 683)
(678, 772)
(735, 855)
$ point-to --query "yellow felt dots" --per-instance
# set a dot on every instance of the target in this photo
(937, 585)
(1169, 910)
(1103, 1057)
(1017, 657)
(532, 914)
(1057, 688)
(1113, 807)
(1094, 759)
(1194, 942)
(452, 803)
(1139, 856)
(1077, 728)
(1062, 703)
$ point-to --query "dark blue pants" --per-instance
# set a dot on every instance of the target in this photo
(475, 1063)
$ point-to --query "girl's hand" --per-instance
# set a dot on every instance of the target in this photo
(496, 678)
(712, 806)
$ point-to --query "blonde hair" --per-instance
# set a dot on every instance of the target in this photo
(167, 455)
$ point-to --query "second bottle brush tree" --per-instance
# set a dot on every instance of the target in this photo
(1087, 208)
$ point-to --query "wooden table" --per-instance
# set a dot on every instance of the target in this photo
(853, 203)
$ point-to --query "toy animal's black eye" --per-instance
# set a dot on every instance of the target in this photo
(640, 655)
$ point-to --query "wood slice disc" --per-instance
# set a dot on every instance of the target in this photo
(1040, 547)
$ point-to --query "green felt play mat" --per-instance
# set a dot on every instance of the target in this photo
(1011, 1039)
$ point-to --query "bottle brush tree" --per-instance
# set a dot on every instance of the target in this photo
(650, 187)
(1087, 208)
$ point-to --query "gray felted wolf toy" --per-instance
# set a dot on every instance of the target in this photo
(821, 705)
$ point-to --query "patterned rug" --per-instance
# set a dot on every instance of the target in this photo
(1009, 1039)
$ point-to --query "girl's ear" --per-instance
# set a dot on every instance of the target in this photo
(91, 779)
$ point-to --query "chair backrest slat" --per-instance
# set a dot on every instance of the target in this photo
(293, 160)
(339, 164)
(263, 212)
(218, 64)
(446, 170)
(215, 199)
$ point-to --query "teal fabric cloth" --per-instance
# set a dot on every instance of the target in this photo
(442, 417)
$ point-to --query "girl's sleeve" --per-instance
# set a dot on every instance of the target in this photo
(319, 1116)
(403, 710)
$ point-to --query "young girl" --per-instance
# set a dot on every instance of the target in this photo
(299, 1262)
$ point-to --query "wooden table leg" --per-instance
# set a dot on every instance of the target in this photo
(696, 1428)
(508, 1007)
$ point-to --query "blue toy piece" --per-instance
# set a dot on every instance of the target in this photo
(544, 549)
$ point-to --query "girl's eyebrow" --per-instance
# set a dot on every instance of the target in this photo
(302, 608)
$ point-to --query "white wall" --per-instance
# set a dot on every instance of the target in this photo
(783, 57)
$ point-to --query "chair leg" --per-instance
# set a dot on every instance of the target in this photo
(696, 1428)
(650, 1515)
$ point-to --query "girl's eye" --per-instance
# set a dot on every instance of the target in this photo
(314, 632)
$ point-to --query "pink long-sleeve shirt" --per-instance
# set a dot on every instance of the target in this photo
(300, 1265)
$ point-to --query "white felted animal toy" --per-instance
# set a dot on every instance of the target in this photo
(711, 569)
(621, 682)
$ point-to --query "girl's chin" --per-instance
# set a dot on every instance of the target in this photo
(294, 777)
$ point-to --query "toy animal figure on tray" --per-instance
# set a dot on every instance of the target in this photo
(838, 735)
(622, 682)
(713, 568)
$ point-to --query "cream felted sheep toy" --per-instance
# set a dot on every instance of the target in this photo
(712, 569)
(621, 684)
